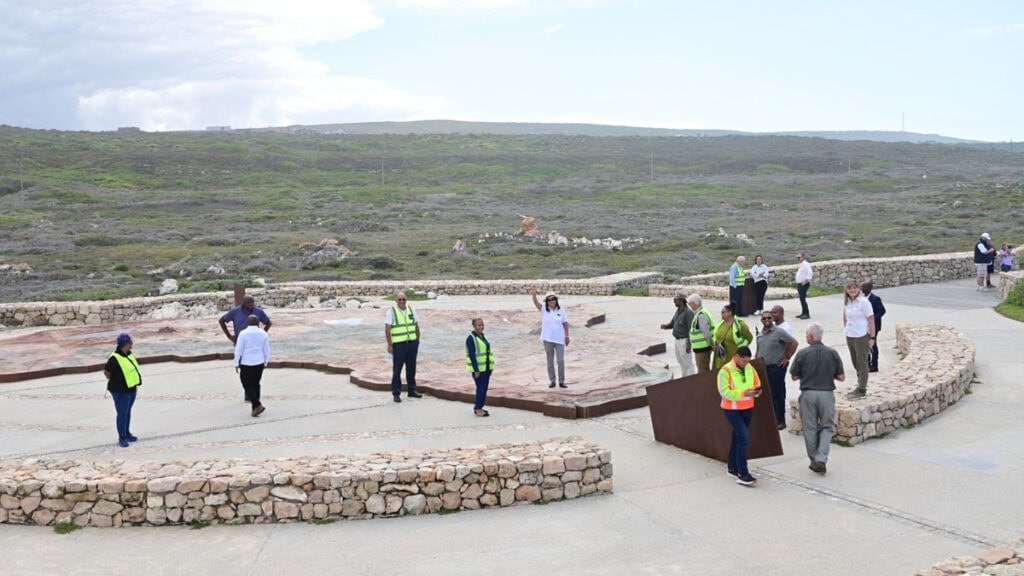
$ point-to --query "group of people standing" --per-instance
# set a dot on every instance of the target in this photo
(723, 347)
(985, 255)
(760, 274)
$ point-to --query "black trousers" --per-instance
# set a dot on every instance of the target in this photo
(251, 376)
(404, 354)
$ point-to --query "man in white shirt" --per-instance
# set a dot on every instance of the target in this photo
(252, 353)
(804, 274)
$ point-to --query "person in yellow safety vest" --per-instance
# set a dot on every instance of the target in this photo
(479, 363)
(737, 280)
(123, 381)
(738, 385)
(402, 332)
(730, 334)
(702, 331)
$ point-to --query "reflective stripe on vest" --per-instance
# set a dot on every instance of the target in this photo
(737, 335)
(403, 326)
(484, 356)
(741, 276)
(697, 340)
(129, 369)
(746, 382)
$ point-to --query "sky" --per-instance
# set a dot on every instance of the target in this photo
(946, 67)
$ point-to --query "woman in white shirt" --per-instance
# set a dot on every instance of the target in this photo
(554, 333)
(760, 274)
(859, 319)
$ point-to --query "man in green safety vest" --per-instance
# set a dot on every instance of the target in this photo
(402, 332)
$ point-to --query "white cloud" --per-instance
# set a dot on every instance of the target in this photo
(1015, 28)
(554, 28)
(182, 64)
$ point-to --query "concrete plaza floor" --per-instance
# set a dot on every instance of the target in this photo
(889, 506)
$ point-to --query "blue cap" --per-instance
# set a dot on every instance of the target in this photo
(123, 338)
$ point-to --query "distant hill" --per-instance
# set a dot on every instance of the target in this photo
(535, 128)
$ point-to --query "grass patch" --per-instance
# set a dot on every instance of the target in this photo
(66, 527)
(816, 291)
(631, 291)
(446, 511)
(198, 524)
(322, 521)
(411, 295)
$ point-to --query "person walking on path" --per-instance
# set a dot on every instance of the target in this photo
(759, 272)
(816, 368)
(859, 322)
(680, 326)
(123, 381)
(879, 310)
(479, 363)
(554, 333)
(252, 354)
(984, 255)
(738, 385)
(775, 346)
(804, 275)
(239, 318)
(731, 334)
(702, 333)
(737, 279)
(402, 332)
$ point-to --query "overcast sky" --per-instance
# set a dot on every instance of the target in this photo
(949, 67)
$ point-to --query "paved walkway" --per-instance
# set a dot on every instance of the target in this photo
(890, 506)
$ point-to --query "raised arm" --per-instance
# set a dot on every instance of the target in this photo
(533, 292)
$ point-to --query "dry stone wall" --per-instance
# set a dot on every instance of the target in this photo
(936, 371)
(298, 294)
(882, 272)
(115, 493)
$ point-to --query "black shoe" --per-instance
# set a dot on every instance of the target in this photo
(132, 438)
(415, 394)
(875, 369)
(258, 410)
(398, 398)
(818, 467)
(781, 426)
(552, 385)
(732, 472)
(562, 385)
(746, 480)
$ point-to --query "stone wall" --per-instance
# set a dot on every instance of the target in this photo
(297, 294)
(114, 493)
(882, 272)
(936, 370)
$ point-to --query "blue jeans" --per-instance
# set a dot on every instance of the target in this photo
(123, 402)
(740, 421)
(777, 383)
(482, 382)
(404, 355)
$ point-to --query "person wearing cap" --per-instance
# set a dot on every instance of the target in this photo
(680, 326)
(554, 333)
(984, 255)
(252, 354)
(123, 381)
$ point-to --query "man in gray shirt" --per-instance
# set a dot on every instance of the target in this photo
(776, 347)
(817, 367)
(680, 326)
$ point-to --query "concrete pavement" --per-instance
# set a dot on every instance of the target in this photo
(889, 506)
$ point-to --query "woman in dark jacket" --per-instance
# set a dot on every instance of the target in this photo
(123, 380)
